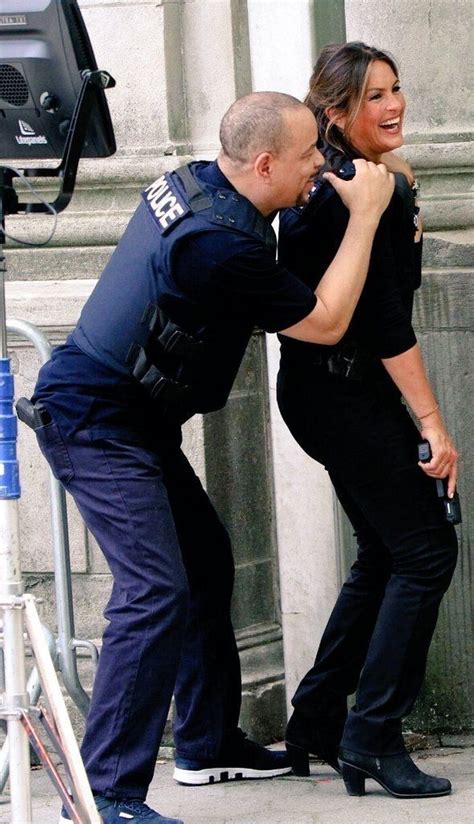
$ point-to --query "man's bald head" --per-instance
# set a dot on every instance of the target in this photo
(256, 123)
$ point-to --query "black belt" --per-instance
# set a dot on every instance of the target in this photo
(348, 361)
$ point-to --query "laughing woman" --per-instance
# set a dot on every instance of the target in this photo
(343, 406)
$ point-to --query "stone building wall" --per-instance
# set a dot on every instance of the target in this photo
(178, 65)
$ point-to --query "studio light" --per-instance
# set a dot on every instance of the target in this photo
(44, 51)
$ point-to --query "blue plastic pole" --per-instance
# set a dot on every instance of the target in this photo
(9, 472)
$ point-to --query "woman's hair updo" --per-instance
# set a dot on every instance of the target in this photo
(339, 82)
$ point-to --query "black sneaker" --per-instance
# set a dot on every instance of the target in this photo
(239, 759)
(114, 811)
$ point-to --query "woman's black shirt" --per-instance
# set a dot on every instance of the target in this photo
(308, 241)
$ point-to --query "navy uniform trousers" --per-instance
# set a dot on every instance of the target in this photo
(378, 635)
(169, 624)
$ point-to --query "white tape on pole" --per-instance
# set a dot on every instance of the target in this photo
(55, 698)
(11, 588)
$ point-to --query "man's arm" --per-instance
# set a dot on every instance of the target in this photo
(366, 196)
(408, 373)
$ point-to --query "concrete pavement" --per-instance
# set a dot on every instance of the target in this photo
(319, 799)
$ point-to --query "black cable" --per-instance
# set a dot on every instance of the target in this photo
(19, 173)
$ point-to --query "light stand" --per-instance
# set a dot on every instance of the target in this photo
(19, 610)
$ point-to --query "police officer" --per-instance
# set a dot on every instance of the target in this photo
(160, 339)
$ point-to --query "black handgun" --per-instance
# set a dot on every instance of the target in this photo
(452, 506)
(34, 415)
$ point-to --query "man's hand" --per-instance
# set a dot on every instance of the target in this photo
(369, 192)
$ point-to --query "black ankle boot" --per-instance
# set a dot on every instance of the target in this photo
(304, 736)
(395, 773)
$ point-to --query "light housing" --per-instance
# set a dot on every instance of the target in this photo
(44, 48)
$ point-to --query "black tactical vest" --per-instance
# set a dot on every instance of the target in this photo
(128, 324)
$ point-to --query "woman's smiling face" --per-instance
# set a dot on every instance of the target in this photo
(378, 126)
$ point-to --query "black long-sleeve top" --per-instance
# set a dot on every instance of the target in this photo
(309, 239)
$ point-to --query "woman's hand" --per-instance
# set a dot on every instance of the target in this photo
(444, 461)
(396, 163)
(408, 373)
(419, 228)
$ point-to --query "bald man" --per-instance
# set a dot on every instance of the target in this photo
(159, 340)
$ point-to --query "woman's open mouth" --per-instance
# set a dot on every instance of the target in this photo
(392, 126)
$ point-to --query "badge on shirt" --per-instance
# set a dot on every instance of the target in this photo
(165, 204)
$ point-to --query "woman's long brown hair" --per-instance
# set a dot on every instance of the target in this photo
(339, 82)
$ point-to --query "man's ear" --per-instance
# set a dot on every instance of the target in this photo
(263, 165)
(336, 117)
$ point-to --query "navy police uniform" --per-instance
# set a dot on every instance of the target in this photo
(343, 409)
(160, 339)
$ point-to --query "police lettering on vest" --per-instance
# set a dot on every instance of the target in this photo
(164, 203)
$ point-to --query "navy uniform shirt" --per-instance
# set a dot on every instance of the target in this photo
(233, 283)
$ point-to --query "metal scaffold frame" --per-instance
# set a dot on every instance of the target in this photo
(64, 647)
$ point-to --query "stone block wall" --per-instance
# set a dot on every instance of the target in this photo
(178, 65)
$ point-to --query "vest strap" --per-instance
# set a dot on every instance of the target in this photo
(198, 198)
(228, 207)
(235, 211)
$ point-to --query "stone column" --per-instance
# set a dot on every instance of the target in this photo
(216, 66)
(282, 37)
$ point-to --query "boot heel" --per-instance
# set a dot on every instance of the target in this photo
(354, 780)
(299, 759)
